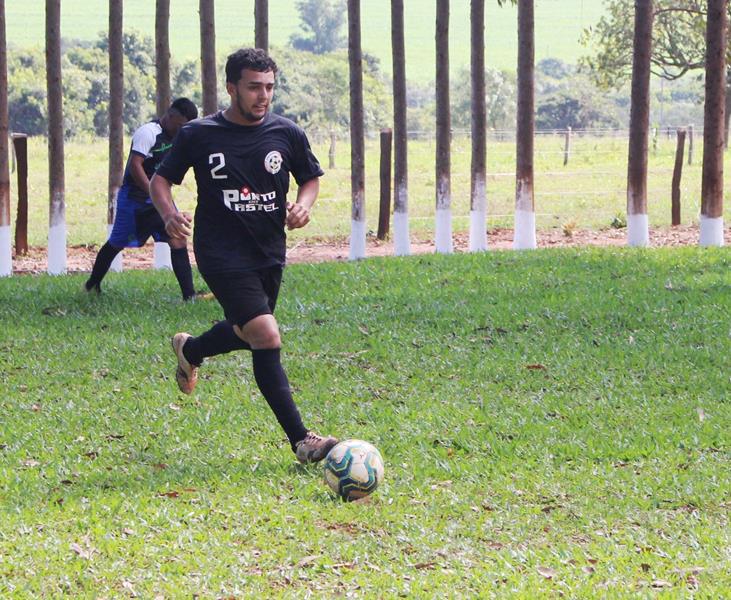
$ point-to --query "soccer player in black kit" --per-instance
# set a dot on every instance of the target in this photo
(135, 218)
(242, 158)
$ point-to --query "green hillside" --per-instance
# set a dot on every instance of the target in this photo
(558, 26)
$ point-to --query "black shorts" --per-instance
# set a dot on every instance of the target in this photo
(247, 294)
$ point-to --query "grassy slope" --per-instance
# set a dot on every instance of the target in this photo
(605, 465)
(590, 191)
(558, 26)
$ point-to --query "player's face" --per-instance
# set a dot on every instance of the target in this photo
(252, 95)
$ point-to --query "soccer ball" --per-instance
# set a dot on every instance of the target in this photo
(353, 469)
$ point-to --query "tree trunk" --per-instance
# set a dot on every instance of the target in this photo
(261, 24)
(116, 123)
(637, 221)
(478, 197)
(677, 176)
(162, 56)
(6, 251)
(711, 219)
(444, 125)
(357, 142)
(401, 241)
(384, 209)
(208, 56)
(525, 216)
(56, 183)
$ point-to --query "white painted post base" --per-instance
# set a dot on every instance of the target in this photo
(6, 252)
(443, 233)
(116, 266)
(57, 249)
(524, 234)
(357, 239)
(161, 256)
(711, 233)
(478, 231)
(401, 241)
(638, 230)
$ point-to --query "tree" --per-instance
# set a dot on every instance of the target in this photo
(116, 106)
(478, 195)
(637, 222)
(525, 216)
(208, 56)
(443, 231)
(261, 24)
(322, 21)
(6, 257)
(162, 56)
(357, 140)
(711, 220)
(402, 244)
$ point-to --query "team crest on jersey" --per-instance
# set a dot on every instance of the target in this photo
(273, 162)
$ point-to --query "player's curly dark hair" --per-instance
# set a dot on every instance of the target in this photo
(254, 59)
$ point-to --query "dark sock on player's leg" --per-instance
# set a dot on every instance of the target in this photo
(103, 261)
(219, 339)
(183, 272)
(274, 385)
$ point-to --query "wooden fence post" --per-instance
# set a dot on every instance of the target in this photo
(20, 146)
(331, 152)
(567, 146)
(677, 174)
(384, 213)
(690, 144)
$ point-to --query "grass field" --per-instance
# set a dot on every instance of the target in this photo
(558, 26)
(553, 423)
(587, 193)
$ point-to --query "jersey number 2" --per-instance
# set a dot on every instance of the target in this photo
(218, 156)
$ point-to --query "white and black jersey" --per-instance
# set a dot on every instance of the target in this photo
(151, 143)
(242, 174)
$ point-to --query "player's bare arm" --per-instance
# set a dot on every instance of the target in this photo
(298, 214)
(177, 224)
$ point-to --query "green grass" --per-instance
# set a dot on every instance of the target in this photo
(588, 192)
(557, 31)
(557, 414)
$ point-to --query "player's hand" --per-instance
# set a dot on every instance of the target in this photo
(178, 225)
(298, 215)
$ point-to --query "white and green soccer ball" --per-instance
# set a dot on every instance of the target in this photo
(353, 469)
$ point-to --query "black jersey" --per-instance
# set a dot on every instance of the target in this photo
(151, 143)
(242, 174)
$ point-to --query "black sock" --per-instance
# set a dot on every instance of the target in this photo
(183, 272)
(274, 386)
(219, 339)
(103, 261)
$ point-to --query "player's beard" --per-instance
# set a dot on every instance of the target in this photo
(249, 116)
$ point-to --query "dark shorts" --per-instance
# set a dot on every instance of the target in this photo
(246, 294)
(134, 222)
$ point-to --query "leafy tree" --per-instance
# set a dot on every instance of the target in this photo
(678, 41)
(499, 99)
(322, 22)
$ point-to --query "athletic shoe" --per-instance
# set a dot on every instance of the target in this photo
(186, 374)
(198, 296)
(314, 447)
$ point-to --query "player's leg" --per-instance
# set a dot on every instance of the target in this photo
(103, 261)
(262, 333)
(150, 222)
(181, 267)
(123, 234)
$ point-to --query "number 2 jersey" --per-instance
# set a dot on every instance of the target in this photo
(242, 174)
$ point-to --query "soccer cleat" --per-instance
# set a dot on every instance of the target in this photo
(313, 447)
(186, 374)
(198, 296)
